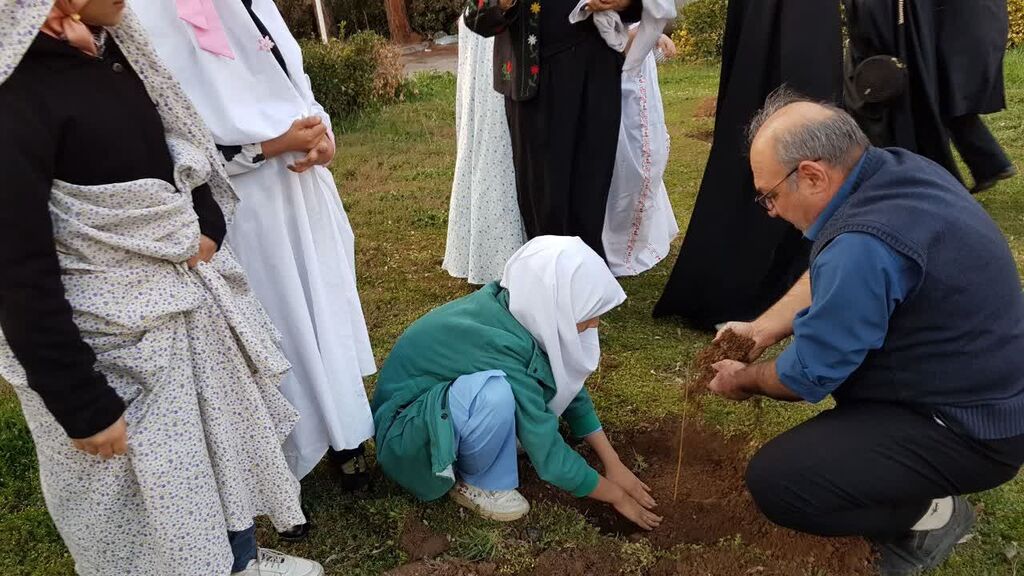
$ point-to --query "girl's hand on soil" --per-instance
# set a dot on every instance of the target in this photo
(726, 383)
(616, 472)
(632, 485)
(207, 249)
(635, 513)
(303, 136)
(748, 329)
(106, 444)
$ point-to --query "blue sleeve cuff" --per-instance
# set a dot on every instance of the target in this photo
(793, 375)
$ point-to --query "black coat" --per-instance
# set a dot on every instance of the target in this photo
(736, 260)
(913, 120)
(971, 38)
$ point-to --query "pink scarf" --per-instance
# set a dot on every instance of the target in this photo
(206, 24)
(65, 23)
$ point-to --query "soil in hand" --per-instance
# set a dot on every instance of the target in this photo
(731, 346)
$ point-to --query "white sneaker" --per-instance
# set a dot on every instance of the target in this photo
(500, 505)
(273, 563)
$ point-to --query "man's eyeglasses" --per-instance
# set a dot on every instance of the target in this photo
(767, 200)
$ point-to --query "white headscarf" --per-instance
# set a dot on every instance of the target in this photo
(555, 283)
(246, 98)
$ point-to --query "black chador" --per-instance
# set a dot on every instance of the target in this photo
(736, 260)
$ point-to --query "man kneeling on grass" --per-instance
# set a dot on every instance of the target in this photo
(469, 378)
(911, 316)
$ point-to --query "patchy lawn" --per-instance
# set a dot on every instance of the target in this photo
(394, 172)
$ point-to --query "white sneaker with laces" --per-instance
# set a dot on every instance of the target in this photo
(500, 505)
(273, 563)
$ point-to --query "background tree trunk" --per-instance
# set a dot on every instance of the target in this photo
(398, 22)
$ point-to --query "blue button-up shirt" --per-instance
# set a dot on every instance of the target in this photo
(856, 283)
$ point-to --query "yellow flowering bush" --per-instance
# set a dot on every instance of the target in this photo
(1016, 8)
(700, 30)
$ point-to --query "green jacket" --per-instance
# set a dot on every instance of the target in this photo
(415, 440)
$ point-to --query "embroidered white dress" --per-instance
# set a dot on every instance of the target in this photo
(639, 224)
(484, 225)
(290, 233)
(191, 352)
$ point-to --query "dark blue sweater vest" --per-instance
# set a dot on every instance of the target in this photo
(955, 346)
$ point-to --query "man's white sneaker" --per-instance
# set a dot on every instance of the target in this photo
(500, 505)
(273, 563)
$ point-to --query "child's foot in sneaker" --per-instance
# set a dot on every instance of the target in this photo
(272, 563)
(500, 505)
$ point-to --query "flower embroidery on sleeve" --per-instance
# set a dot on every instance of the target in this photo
(265, 44)
(506, 70)
(535, 7)
(531, 39)
(535, 69)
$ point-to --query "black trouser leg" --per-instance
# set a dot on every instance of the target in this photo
(871, 469)
(979, 148)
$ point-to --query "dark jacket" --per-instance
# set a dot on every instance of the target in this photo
(517, 43)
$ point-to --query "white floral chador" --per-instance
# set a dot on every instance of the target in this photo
(191, 352)
(484, 224)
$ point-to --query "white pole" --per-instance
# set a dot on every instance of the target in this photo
(321, 23)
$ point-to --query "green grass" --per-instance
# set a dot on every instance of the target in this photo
(394, 172)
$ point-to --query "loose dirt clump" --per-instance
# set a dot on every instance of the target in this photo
(707, 108)
(420, 542)
(577, 562)
(452, 567)
(706, 135)
(731, 346)
(712, 507)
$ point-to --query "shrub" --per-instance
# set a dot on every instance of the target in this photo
(350, 15)
(351, 75)
(1016, 8)
(701, 29)
(429, 17)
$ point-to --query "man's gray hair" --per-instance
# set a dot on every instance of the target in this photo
(835, 140)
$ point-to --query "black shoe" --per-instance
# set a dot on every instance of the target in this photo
(986, 183)
(297, 533)
(925, 549)
(351, 464)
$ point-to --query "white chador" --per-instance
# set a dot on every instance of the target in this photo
(290, 233)
(639, 224)
(484, 225)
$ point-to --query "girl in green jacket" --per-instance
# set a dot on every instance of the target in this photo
(468, 379)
